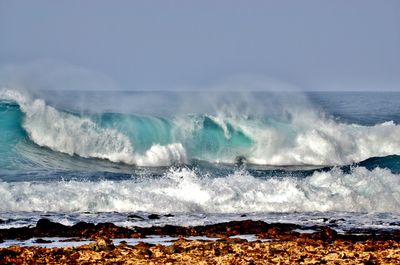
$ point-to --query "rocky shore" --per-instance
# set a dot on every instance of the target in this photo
(286, 245)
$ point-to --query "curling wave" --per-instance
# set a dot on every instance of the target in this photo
(304, 137)
(74, 135)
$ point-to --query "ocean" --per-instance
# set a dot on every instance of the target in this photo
(197, 157)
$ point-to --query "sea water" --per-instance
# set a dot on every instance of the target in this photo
(203, 157)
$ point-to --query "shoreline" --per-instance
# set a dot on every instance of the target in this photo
(273, 243)
(261, 229)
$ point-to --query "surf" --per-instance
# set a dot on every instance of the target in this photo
(183, 190)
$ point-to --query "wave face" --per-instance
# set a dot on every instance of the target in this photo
(187, 191)
(296, 136)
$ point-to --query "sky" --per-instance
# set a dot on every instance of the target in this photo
(310, 44)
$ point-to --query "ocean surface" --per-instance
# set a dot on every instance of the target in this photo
(201, 157)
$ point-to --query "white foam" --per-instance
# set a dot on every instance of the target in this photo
(162, 155)
(184, 191)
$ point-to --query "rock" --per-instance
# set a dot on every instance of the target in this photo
(134, 216)
(21, 233)
(45, 225)
(83, 225)
(82, 229)
(102, 243)
(240, 161)
(144, 249)
(174, 249)
(6, 252)
(153, 216)
(75, 256)
(169, 215)
(42, 241)
(334, 221)
(326, 234)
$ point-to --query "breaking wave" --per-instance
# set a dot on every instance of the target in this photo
(296, 138)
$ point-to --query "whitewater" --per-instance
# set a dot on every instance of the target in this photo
(263, 154)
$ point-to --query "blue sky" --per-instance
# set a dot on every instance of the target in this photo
(313, 45)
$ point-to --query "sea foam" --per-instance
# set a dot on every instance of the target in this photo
(186, 191)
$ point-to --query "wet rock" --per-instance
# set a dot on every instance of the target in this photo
(153, 216)
(169, 215)
(21, 233)
(42, 241)
(326, 234)
(45, 227)
(240, 161)
(83, 226)
(134, 216)
(334, 221)
(82, 229)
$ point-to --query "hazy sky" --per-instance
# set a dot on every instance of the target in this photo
(316, 45)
